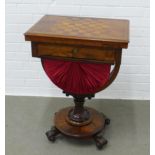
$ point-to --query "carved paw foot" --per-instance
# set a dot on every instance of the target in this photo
(100, 141)
(51, 134)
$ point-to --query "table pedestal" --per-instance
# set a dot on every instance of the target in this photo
(79, 122)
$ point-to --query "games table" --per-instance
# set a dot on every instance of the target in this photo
(82, 56)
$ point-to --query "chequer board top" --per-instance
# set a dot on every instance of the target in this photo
(84, 28)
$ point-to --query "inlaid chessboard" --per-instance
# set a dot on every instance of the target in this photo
(81, 28)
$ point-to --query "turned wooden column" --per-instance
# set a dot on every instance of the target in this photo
(79, 114)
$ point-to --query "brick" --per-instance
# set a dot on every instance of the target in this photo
(18, 56)
(133, 78)
(137, 51)
(139, 22)
(32, 8)
(139, 32)
(13, 65)
(21, 74)
(139, 42)
(114, 12)
(15, 82)
(13, 1)
(71, 2)
(64, 10)
(135, 69)
(10, 47)
(17, 28)
(125, 94)
(125, 86)
(14, 38)
(19, 19)
(123, 3)
(11, 8)
(135, 60)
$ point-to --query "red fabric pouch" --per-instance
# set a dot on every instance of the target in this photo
(76, 77)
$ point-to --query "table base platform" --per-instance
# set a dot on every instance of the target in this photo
(91, 130)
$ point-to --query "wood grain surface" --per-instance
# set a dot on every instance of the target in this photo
(80, 30)
(106, 55)
(96, 125)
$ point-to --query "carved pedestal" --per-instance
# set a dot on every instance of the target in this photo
(79, 122)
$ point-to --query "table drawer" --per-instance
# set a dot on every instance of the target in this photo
(75, 52)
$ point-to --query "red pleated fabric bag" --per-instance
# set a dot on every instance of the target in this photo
(76, 77)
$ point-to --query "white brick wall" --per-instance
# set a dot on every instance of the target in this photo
(24, 74)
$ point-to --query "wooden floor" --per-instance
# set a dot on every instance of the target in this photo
(28, 118)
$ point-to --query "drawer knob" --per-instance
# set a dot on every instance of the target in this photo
(75, 50)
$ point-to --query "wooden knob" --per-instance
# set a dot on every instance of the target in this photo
(75, 50)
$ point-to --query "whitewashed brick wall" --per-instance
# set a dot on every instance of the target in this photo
(24, 74)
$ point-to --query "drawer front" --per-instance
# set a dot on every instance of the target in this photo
(95, 54)
(86, 53)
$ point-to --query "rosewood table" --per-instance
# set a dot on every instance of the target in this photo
(77, 54)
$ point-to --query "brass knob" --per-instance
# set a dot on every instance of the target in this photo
(75, 50)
